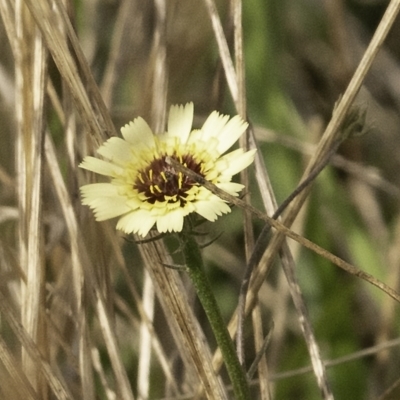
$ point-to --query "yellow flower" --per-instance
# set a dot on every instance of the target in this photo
(144, 190)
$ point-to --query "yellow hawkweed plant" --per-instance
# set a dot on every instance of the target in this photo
(144, 190)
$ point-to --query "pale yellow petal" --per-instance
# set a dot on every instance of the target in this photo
(180, 121)
(100, 166)
(188, 208)
(104, 200)
(134, 203)
(171, 222)
(94, 190)
(139, 221)
(211, 208)
(138, 132)
(203, 147)
(230, 187)
(195, 136)
(231, 155)
(116, 150)
(237, 163)
(213, 125)
(230, 133)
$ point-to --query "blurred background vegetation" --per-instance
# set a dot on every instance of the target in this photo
(299, 58)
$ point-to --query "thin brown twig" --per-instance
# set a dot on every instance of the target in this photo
(339, 361)
(351, 269)
(262, 241)
(332, 131)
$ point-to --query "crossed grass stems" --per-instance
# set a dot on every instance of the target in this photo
(353, 126)
(270, 221)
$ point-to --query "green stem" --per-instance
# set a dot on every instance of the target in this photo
(201, 283)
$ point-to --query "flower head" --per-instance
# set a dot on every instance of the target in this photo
(145, 190)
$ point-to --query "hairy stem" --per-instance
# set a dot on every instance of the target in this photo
(201, 283)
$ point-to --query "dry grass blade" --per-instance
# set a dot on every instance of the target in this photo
(389, 311)
(7, 10)
(288, 266)
(341, 360)
(259, 343)
(112, 347)
(59, 390)
(223, 49)
(17, 377)
(144, 364)
(85, 263)
(237, 11)
(392, 393)
(87, 99)
(110, 75)
(366, 174)
(238, 95)
(173, 298)
(110, 393)
(30, 84)
(85, 367)
(156, 339)
(159, 352)
(244, 175)
(160, 69)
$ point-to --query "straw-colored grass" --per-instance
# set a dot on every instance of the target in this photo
(88, 313)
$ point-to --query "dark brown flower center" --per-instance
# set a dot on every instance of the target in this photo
(159, 181)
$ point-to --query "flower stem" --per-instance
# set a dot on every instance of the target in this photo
(201, 283)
